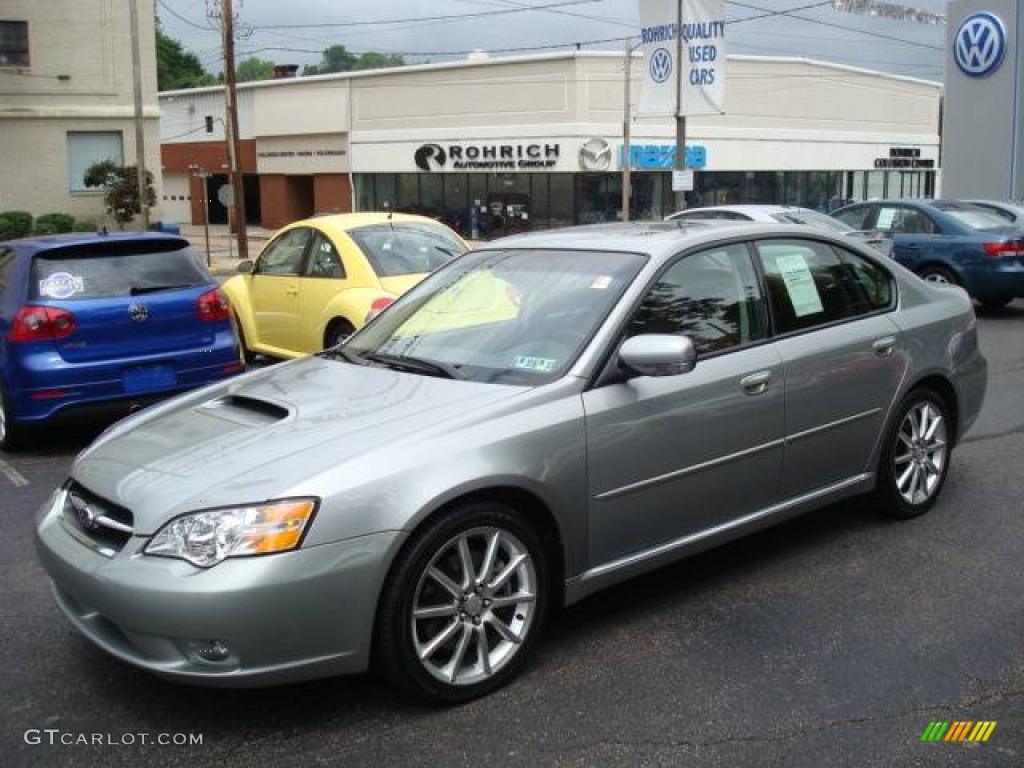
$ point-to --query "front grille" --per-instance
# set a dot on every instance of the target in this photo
(103, 523)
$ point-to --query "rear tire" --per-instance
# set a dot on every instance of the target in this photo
(12, 434)
(915, 459)
(482, 622)
(337, 331)
(936, 274)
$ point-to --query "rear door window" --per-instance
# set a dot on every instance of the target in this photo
(901, 220)
(406, 249)
(810, 285)
(107, 270)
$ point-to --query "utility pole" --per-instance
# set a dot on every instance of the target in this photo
(234, 145)
(627, 157)
(140, 132)
(680, 118)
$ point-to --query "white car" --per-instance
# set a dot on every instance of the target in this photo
(1012, 212)
(784, 214)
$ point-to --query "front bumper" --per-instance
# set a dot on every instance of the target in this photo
(285, 617)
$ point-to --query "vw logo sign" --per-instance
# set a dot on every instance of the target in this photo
(661, 65)
(979, 45)
(595, 155)
(138, 312)
(430, 157)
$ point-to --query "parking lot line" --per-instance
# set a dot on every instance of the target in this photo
(12, 474)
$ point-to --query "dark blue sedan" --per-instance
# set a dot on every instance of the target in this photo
(945, 241)
(89, 320)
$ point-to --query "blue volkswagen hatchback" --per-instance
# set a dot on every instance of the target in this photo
(948, 241)
(120, 319)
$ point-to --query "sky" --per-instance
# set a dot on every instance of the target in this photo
(293, 31)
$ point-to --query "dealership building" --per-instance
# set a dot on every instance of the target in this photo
(537, 141)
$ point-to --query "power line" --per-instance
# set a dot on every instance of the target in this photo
(789, 14)
(183, 19)
(445, 17)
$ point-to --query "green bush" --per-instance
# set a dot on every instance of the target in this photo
(54, 223)
(15, 224)
(84, 226)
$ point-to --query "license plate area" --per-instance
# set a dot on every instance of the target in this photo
(146, 378)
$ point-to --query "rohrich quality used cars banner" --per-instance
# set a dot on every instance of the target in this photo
(702, 85)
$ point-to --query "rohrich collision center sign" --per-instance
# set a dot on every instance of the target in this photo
(702, 81)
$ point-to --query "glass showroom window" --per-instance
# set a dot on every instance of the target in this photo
(14, 44)
(85, 148)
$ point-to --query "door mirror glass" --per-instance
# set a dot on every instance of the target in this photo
(658, 354)
(245, 267)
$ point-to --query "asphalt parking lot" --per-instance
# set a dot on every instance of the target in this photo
(832, 640)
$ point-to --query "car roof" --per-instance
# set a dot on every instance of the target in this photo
(42, 243)
(347, 221)
(658, 239)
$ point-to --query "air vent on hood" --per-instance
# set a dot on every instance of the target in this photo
(241, 409)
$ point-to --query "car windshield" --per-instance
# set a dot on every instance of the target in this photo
(975, 218)
(812, 219)
(508, 316)
(406, 248)
(115, 269)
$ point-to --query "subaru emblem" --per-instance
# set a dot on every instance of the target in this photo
(83, 513)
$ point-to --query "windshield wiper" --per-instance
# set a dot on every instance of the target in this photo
(344, 354)
(415, 365)
(140, 289)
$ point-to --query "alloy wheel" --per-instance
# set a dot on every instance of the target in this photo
(936, 277)
(474, 605)
(921, 453)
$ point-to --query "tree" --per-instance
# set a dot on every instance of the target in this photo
(254, 69)
(121, 186)
(374, 60)
(176, 67)
(336, 58)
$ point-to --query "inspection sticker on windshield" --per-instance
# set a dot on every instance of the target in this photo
(803, 293)
(539, 364)
(61, 285)
(601, 282)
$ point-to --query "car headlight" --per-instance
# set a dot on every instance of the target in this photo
(208, 537)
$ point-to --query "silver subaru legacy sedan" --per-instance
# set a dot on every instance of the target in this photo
(541, 418)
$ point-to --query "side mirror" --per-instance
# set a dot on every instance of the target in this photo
(658, 354)
(245, 267)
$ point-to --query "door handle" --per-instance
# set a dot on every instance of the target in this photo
(756, 383)
(884, 346)
(291, 290)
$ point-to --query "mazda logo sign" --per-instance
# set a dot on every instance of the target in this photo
(430, 157)
(596, 155)
(979, 45)
(138, 313)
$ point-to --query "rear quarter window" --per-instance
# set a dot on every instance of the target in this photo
(108, 270)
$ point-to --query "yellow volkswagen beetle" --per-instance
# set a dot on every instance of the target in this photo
(320, 279)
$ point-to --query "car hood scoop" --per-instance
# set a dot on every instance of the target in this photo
(246, 411)
(263, 435)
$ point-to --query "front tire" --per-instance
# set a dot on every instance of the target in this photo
(247, 355)
(464, 605)
(916, 457)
